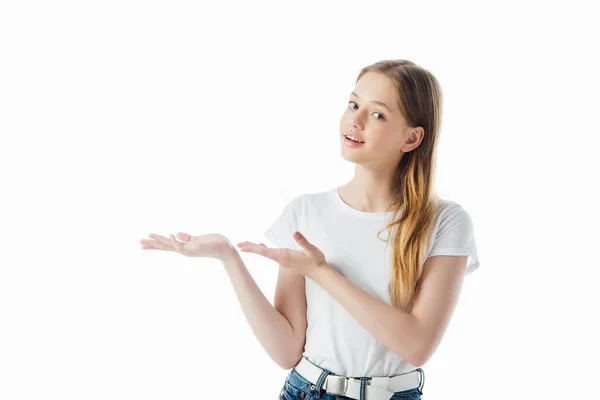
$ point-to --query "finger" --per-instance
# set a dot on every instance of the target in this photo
(273, 254)
(154, 246)
(245, 246)
(148, 247)
(184, 236)
(303, 241)
(176, 245)
(160, 238)
(300, 238)
(149, 242)
(168, 242)
(243, 243)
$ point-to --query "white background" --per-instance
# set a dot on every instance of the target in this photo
(121, 118)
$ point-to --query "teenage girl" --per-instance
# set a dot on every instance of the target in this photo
(370, 272)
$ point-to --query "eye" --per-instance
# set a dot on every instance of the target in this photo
(382, 116)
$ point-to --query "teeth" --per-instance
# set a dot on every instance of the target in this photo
(353, 138)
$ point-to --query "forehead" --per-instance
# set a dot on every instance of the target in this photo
(378, 87)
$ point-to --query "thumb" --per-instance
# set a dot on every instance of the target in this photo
(311, 249)
(300, 238)
(184, 236)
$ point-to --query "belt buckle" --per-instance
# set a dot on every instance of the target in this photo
(337, 385)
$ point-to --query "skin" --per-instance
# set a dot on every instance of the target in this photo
(414, 335)
(387, 137)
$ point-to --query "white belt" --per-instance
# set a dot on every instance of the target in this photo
(377, 388)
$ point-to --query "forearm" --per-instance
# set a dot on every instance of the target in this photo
(270, 327)
(402, 336)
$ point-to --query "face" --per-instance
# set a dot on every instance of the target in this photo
(381, 127)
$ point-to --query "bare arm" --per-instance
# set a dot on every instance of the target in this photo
(282, 338)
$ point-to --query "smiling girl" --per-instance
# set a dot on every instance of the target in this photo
(370, 272)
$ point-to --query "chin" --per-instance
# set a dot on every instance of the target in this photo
(348, 155)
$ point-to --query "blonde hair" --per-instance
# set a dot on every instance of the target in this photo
(419, 98)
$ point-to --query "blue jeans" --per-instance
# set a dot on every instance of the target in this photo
(296, 387)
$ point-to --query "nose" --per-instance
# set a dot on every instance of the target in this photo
(353, 128)
(353, 122)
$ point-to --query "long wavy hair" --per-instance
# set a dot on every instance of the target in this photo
(419, 98)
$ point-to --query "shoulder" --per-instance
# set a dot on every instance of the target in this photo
(312, 199)
(449, 209)
(452, 220)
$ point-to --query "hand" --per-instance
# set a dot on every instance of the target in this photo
(305, 262)
(212, 245)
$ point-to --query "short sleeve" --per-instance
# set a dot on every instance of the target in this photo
(455, 236)
(282, 229)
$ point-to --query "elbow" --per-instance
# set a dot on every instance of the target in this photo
(417, 362)
(286, 366)
(297, 357)
(423, 349)
(421, 357)
(290, 357)
(416, 358)
(293, 352)
(290, 362)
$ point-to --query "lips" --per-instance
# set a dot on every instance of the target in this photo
(354, 136)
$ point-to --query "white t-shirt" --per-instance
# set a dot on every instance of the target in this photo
(348, 237)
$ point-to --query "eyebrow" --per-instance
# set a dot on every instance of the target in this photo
(374, 101)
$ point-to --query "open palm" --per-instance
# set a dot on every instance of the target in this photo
(213, 245)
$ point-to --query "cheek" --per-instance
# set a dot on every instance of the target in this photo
(349, 115)
(345, 118)
(382, 140)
